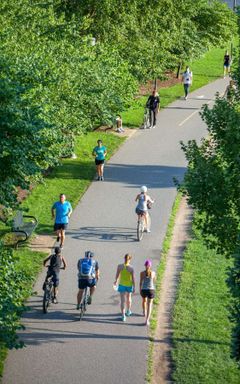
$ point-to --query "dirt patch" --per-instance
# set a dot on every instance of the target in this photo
(128, 132)
(162, 363)
(170, 80)
(42, 243)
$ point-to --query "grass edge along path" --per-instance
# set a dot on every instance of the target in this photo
(201, 326)
(160, 272)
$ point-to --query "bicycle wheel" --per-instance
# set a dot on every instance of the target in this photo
(140, 229)
(46, 299)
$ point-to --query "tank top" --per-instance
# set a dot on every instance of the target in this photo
(55, 263)
(125, 277)
(147, 282)
(142, 203)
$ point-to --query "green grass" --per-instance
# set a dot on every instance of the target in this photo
(205, 70)
(160, 272)
(202, 329)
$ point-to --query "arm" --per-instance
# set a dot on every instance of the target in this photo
(137, 198)
(46, 260)
(64, 263)
(117, 274)
(70, 210)
(94, 153)
(141, 279)
(150, 199)
(133, 279)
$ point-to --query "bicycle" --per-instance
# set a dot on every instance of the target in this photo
(141, 225)
(84, 303)
(48, 295)
(146, 118)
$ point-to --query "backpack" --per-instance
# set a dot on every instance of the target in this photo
(86, 268)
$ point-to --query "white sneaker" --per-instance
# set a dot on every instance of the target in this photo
(154, 126)
(148, 231)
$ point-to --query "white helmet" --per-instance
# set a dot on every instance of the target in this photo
(144, 189)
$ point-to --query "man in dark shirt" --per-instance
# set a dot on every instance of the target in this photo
(55, 262)
(226, 64)
(153, 104)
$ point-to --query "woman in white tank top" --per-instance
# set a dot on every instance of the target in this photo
(142, 201)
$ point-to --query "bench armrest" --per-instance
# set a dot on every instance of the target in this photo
(31, 217)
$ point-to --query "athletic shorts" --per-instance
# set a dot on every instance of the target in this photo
(55, 277)
(149, 293)
(84, 283)
(226, 65)
(98, 162)
(57, 226)
(140, 212)
(124, 289)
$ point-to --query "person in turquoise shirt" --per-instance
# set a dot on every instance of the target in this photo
(61, 211)
(99, 152)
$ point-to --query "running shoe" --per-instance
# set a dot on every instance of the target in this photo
(78, 307)
(55, 300)
(58, 238)
(89, 300)
(128, 312)
(124, 318)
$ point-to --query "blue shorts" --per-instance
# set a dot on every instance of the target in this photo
(55, 277)
(123, 289)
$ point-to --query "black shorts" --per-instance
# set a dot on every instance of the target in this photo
(140, 212)
(57, 226)
(149, 293)
(55, 277)
(98, 162)
(84, 283)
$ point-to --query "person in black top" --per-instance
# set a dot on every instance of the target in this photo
(226, 64)
(55, 262)
(153, 104)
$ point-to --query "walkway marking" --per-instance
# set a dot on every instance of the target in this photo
(200, 97)
(189, 117)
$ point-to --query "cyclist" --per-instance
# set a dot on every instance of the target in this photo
(88, 275)
(144, 202)
(99, 152)
(56, 260)
(147, 289)
(125, 275)
(153, 104)
(63, 211)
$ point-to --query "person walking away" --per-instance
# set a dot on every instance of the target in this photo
(119, 124)
(187, 78)
(99, 152)
(226, 64)
(143, 200)
(88, 275)
(125, 279)
(147, 290)
(61, 212)
(153, 104)
(56, 260)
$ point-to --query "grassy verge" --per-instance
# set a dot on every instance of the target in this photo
(202, 329)
(160, 272)
(205, 70)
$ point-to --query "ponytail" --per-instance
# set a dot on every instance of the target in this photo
(148, 271)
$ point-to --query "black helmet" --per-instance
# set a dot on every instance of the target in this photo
(57, 250)
(89, 254)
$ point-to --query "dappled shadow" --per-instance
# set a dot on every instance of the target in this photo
(154, 176)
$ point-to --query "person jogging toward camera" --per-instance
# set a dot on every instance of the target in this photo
(125, 279)
(61, 212)
(153, 104)
(88, 275)
(147, 289)
(99, 152)
(144, 202)
(55, 260)
(187, 77)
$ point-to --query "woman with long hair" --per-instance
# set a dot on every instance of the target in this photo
(126, 285)
(147, 289)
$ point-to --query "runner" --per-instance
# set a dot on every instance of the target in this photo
(125, 277)
(187, 81)
(226, 64)
(153, 104)
(63, 210)
(142, 207)
(99, 152)
(147, 290)
(88, 275)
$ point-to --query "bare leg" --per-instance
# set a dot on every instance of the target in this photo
(144, 302)
(55, 291)
(58, 233)
(62, 235)
(149, 310)
(122, 306)
(101, 169)
(129, 300)
(79, 296)
(92, 290)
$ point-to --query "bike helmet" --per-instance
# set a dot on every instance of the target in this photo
(89, 254)
(57, 250)
(144, 189)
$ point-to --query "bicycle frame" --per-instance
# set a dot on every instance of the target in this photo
(48, 294)
(141, 225)
(84, 303)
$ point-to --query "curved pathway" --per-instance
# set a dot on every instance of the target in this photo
(102, 349)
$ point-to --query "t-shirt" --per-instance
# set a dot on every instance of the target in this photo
(62, 211)
(187, 77)
(100, 152)
(153, 102)
(226, 60)
(55, 263)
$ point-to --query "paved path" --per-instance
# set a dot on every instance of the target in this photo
(102, 349)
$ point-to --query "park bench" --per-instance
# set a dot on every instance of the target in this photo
(23, 227)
